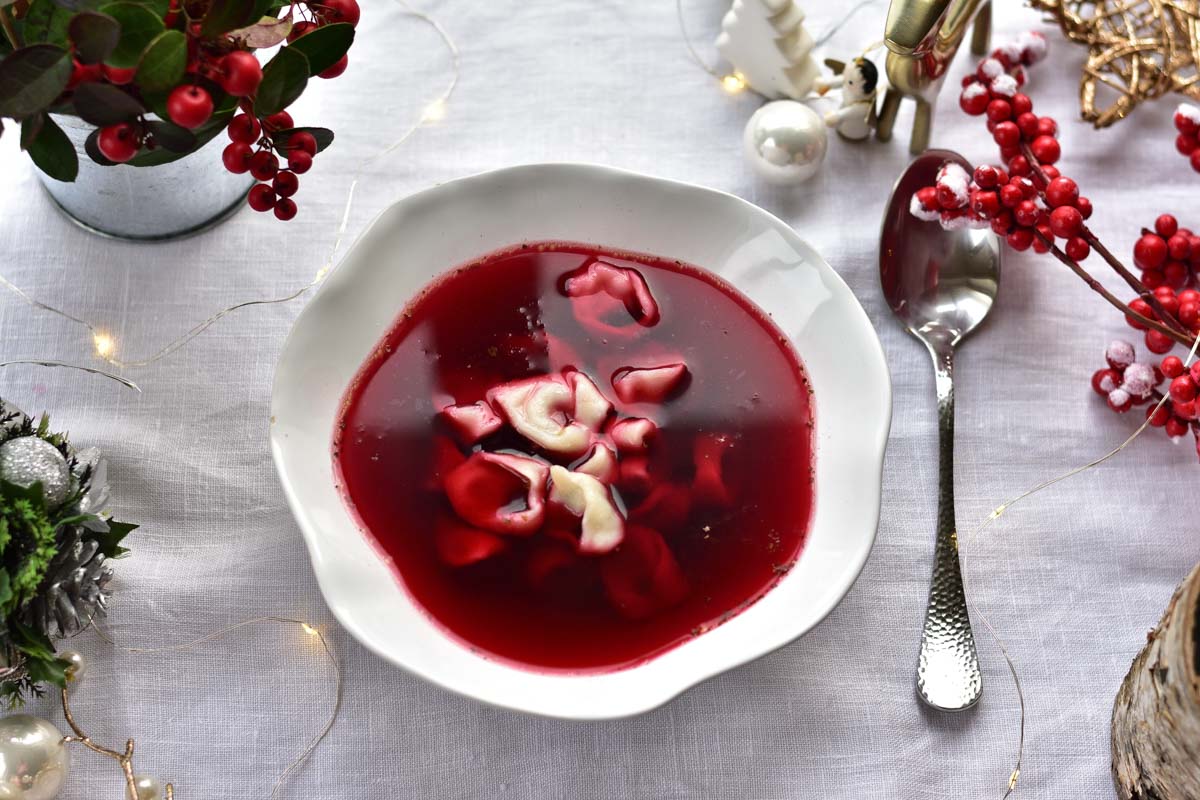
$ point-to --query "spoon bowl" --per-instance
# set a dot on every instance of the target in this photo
(940, 284)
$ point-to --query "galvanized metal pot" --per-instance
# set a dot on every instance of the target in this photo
(167, 201)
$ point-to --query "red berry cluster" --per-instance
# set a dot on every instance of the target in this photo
(1183, 305)
(1187, 122)
(1126, 383)
(1168, 255)
(257, 143)
(278, 185)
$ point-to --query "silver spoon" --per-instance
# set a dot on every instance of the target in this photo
(940, 285)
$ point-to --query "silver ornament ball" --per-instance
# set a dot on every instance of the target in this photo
(785, 142)
(31, 459)
(33, 759)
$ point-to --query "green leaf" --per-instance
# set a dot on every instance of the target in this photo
(47, 23)
(32, 78)
(163, 63)
(324, 137)
(54, 154)
(103, 104)
(110, 543)
(139, 27)
(204, 134)
(324, 46)
(94, 35)
(171, 136)
(226, 15)
(30, 128)
(284, 78)
(92, 148)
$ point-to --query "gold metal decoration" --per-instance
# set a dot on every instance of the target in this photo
(923, 37)
(1137, 50)
(125, 759)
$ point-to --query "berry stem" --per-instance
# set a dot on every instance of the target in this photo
(1139, 287)
(10, 32)
(1098, 287)
(1115, 263)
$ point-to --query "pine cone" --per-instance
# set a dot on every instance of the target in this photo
(74, 591)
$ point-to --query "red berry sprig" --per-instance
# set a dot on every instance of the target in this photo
(1168, 255)
(1032, 205)
(1126, 383)
(1187, 122)
(258, 145)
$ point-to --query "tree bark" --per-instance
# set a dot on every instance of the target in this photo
(1156, 717)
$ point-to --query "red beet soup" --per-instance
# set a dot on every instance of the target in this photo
(577, 458)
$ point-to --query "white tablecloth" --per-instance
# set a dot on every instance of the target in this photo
(1072, 579)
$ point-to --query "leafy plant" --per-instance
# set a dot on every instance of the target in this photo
(32, 535)
(159, 79)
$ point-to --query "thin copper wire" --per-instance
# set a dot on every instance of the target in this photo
(308, 628)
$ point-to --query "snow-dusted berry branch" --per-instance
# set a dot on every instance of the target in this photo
(1030, 204)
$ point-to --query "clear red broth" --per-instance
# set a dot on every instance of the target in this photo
(537, 602)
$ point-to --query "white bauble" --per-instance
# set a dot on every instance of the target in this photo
(33, 759)
(785, 142)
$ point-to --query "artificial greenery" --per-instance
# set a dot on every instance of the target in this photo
(47, 44)
(31, 535)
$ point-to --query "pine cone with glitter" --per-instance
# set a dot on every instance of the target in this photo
(74, 592)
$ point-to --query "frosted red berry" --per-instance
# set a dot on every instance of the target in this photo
(1105, 380)
(189, 106)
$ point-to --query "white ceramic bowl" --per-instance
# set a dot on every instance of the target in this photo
(440, 228)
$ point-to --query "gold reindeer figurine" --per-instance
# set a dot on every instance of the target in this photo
(922, 37)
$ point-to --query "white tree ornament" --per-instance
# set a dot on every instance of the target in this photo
(767, 44)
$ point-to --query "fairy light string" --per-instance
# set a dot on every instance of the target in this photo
(311, 631)
(105, 346)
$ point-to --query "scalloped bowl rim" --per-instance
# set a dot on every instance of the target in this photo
(600, 205)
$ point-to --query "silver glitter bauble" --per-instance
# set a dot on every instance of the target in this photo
(785, 142)
(33, 759)
(31, 459)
